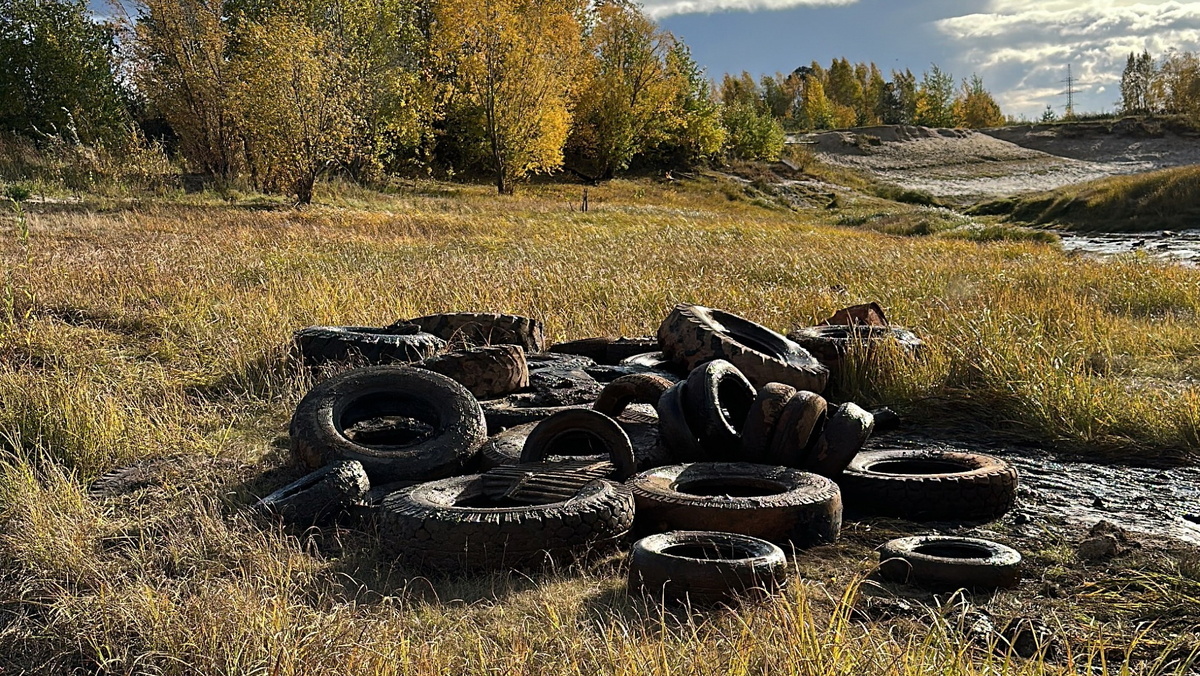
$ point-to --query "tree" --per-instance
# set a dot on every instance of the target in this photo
(935, 98)
(513, 61)
(816, 109)
(975, 108)
(843, 87)
(753, 134)
(293, 103)
(625, 107)
(1136, 83)
(58, 71)
(698, 132)
(905, 94)
(183, 69)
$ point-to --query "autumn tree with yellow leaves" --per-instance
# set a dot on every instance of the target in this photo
(513, 62)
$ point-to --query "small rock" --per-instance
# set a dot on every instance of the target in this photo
(1105, 527)
(1028, 637)
(1097, 503)
(1098, 548)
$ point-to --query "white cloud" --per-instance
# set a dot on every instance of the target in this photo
(1022, 47)
(663, 8)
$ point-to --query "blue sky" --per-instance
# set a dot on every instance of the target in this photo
(1021, 48)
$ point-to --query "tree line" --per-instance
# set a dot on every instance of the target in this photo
(280, 92)
(1169, 86)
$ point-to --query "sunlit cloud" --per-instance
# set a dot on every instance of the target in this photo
(663, 8)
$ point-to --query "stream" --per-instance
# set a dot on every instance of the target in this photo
(1179, 247)
(1150, 501)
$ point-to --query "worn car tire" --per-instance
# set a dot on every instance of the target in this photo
(595, 349)
(436, 525)
(504, 448)
(948, 562)
(486, 372)
(581, 432)
(929, 485)
(764, 413)
(371, 345)
(466, 329)
(623, 348)
(797, 429)
(640, 388)
(674, 431)
(842, 438)
(315, 497)
(831, 342)
(693, 334)
(705, 567)
(318, 428)
(717, 401)
(780, 504)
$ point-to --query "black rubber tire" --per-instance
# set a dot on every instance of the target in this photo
(830, 343)
(842, 438)
(367, 344)
(319, 423)
(425, 526)
(641, 388)
(465, 329)
(717, 403)
(595, 349)
(929, 485)
(581, 429)
(784, 505)
(504, 448)
(315, 497)
(797, 429)
(760, 422)
(674, 432)
(622, 348)
(705, 567)
(946, 562)
(693, 334)
(486, 372)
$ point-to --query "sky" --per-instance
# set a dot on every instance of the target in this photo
(1021, 48)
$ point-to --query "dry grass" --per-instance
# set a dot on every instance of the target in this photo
(152, 329)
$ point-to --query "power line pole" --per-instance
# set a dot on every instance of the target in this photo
(1070, 82)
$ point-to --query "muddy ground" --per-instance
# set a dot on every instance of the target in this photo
(962, 166)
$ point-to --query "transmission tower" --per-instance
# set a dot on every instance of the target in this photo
(1070, 92)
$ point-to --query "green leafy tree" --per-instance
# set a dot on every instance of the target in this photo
(698, 132)
(753, 134)
(1137, 82)
(58, 72)
(935, 99)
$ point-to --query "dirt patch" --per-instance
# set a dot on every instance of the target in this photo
(1156, 145)
(957, 165)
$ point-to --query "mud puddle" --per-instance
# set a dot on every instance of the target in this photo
(1158, 502)
(1176, 247)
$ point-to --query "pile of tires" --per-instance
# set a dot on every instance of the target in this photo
(471, 445)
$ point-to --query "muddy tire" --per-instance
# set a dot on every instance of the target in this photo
(320, 345)
(779, 504)
(760, 421)
(842, 438)
(465, 329)
(717, 401)
(455, 421)
(439, 525)
(623, 348)
(693, 334)
(797, 429)
(504, 448)
(581, 433)
(830, 343)
(486, 372)
(313, 498)
(947, 562)
(674, 431)
(705, 567)
(595, 349)
(929, 485)
(640, 388)
(502, 415)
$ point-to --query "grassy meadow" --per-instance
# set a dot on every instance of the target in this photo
(159, 327)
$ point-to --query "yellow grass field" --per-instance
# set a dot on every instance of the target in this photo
(161, 328)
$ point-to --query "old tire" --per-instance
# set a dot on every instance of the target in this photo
(438, 525)
(466, 329)
(595, 349)
(486, 372)
(314, 497)
(842, 438)
(705, 567)
(371, 345)
(504, 448)
(318, 428)
(693, 334)
(948, 562)
(760, 421)
(581, 432)
(639, 388)
(779, 504)
(674, 431)
(717, 403)
(929, 485)
(831, 342)
(797, 429)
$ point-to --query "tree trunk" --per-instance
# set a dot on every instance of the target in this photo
(304, 189)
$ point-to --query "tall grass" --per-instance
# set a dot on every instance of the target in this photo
(163, 329)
